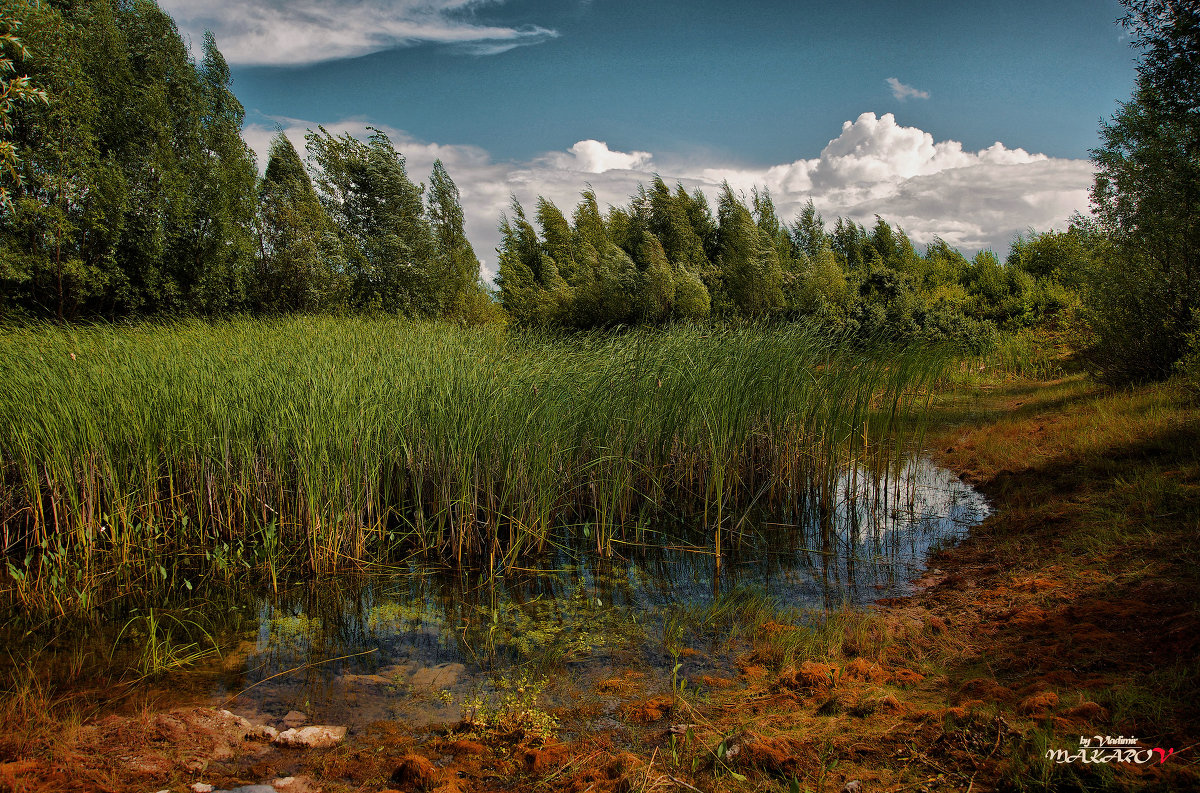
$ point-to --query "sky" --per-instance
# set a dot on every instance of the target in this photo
(968, 120)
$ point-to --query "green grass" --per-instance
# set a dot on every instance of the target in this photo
(142, 456)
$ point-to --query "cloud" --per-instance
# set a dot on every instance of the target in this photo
(902, 91)
(293, 32)
(594, 156)
(931, 188)
(971, 199)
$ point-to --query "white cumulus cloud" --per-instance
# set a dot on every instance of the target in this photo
(972, 199)
(594, 156)
(902, 91)
(293, 32)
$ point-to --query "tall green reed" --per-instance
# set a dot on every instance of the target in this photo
(314, 442)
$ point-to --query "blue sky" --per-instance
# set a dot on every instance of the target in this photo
(535, 96)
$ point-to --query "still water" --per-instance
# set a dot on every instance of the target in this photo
(420, 643)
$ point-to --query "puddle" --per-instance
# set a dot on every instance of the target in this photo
(422, 644)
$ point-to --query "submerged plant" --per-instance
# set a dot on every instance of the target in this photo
(167, 642)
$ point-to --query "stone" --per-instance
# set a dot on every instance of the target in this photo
(200, 787)
(295, 784)
(236, 720)
(853, 786)
(294, 718)
(315, 737)
(265, 732)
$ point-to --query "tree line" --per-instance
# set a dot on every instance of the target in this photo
(668, 256)
(131, 191)
(126, 189)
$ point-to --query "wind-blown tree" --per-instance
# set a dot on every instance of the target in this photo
(621, 270)
(808, 234)
(300, 265)
(380, 216)
(671, 222)
(135, 193)
(609, 286)
(1145, 297)
(750, 273)
(849, 241)
(607, 282)
(772, 229)
(455, 265)
(531, 290)
(657, 288)
(112, 169)
(681, 223)
(216, 248)
(558, 239)
(822, 291)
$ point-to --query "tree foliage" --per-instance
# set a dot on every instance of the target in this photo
(1146, 291)
(14, 90)
(664, 257)
(135, 193)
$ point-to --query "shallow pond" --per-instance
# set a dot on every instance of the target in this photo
(424, 644)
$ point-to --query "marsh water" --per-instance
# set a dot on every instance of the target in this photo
(422, 644)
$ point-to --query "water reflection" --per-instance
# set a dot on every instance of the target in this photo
(412, 643)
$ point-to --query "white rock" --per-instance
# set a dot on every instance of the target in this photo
(295, 784)
(263, 732)
(200, 787)
(316, 737)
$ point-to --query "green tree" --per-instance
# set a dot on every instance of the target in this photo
(531, 290)
(558, 239)
(850, 242)
(750, 271)
(807, 233)
(679, 225)
(380, 215)
(14, 90)
(823, 292)
(1145, 296)
(42, 215)
(1064, 256)
(216, 249)
(772, 231)
(609, 288)
(456, 267)
(301, 266)
(657, 287)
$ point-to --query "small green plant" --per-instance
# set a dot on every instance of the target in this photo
(511, 708)
(827, 763)
(166, 641)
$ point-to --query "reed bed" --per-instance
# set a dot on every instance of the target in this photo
(135, 454)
